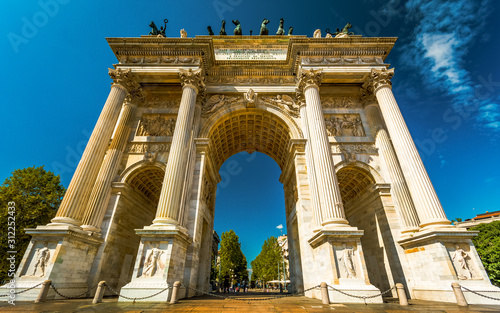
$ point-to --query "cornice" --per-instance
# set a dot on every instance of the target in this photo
(152, 51)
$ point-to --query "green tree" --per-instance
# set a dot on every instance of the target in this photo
(487, 244)
(28, 198)
(233, 262)
(265, 265)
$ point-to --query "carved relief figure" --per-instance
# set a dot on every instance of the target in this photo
(461, 258)
(158, 126)
(217, 101)
(317, 33)
(347, 258)
(42, 256)
(152, 262)
(285, 102)
(344, 125)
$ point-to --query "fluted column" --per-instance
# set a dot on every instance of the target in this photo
(171, 191)
(99, 197)
(428, 206)
(311, 173)
(402, 196)
(77, 196)
(329, 193)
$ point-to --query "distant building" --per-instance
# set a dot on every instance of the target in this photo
(483, 218)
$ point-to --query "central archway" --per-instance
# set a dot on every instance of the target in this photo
(249, 130)
(260, 129)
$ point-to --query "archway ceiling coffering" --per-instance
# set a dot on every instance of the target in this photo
(250, 130)
(352, 181)
(148, 181)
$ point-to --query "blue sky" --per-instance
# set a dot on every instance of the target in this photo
(55, 58)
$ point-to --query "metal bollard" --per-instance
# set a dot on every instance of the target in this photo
(403, 300)
(173, 300)
(457, 290)
(42, 295)
(324, 293)
(100, 292)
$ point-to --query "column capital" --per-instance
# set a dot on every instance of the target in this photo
(378, 79)
(126, 80)
(193, 79)
(309, 78)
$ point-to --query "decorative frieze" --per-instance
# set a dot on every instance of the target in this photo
(342, 60)
(350, 151)
(161, 125)
(341, 102)
(127, 59)
(344, 125)
(156, 102)
(141, 148)
(250, 80)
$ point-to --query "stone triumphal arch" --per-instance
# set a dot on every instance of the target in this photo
(362, 214)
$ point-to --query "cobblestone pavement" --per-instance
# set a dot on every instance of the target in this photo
(211, 304)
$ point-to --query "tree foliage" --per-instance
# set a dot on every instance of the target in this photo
(488, 247)
(265, 265)
(233, 261)
(36, 194)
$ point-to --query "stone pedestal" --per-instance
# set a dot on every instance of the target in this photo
(62, 254)
(160, 262)
(439, 258)
(346, 269)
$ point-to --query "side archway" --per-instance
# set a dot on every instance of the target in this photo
(368, 206)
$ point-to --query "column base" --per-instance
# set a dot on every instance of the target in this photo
(441, 257)
(160, 262)
(337, 222)
(436, 224)
(64, 221)
(63, 254)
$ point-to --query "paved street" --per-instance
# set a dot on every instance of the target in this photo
(211, 304)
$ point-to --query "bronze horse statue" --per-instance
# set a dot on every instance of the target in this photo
(223, 29)
(155, 32)
(264, 31)
(237, 29)
(281, 30)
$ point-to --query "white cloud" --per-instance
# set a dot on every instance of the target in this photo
(443, 33)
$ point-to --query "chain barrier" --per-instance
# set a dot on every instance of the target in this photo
(249, 299)
(72, 297)
(363, 297)
(134, 299)
(18, 292)
(478, 293)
